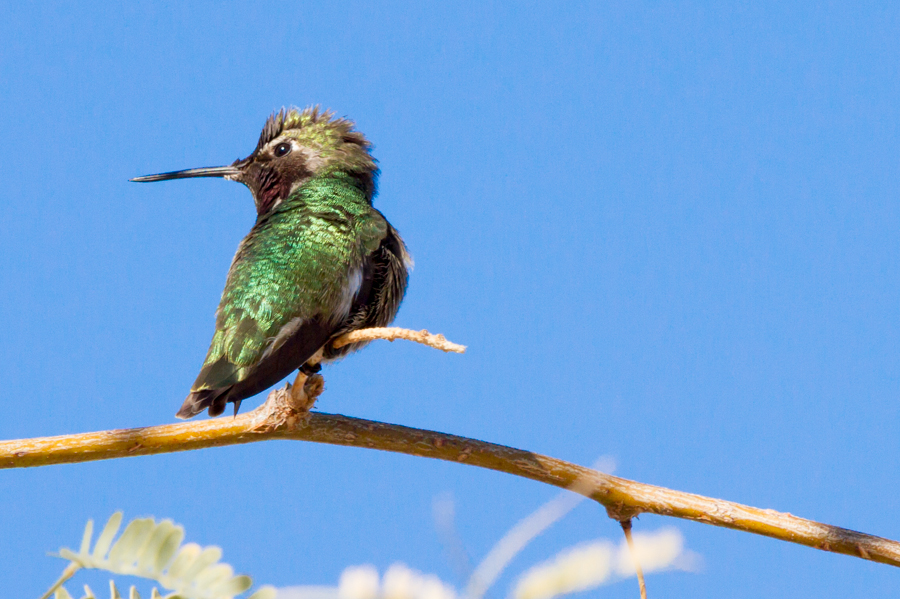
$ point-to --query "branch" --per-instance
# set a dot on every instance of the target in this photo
(392, 333)
(642, 585)
(285, 415)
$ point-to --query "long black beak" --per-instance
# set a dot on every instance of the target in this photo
(212, 171)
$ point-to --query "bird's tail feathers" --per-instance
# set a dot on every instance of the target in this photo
(212, 399)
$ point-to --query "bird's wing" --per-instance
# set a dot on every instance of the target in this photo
(393, 263)
(214, 387)
(286, 295)
(383, 288)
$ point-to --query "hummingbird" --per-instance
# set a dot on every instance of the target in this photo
(320, 260)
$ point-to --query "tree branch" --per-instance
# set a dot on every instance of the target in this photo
(278, 418)
(285, 415)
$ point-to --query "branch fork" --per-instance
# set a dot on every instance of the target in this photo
(288, 408)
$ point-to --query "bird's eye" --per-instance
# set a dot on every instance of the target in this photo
(282, 150)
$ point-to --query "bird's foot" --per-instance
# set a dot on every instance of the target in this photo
(306, 390)
(289, 406)
(311, 369)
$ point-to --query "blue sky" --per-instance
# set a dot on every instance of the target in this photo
(668, 234)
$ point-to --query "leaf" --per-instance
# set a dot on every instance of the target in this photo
(61, 593)
(153, 550)
(106, 537)
(125, 551)
(184, 559)
(207, 557)
(86, 539)
(214, 576)
(168, 548)
(266, 592)
(158, 536)
(232, 586)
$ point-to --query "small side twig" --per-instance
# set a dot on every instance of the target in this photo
(392, 333)
(68, 573)
(626, 528)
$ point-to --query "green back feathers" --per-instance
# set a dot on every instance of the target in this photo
(296, 263)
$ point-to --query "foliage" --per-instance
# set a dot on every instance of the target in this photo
(582, 567)
(153, 550)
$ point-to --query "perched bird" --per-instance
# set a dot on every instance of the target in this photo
(319, 262)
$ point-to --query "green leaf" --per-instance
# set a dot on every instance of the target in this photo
(168, 548)
(214, 576)
(106, 537)
(232, 586)
(147, 557)
(266, 592)
(184, 559)
(86, 538)
(61, 593)
(153, 550)
(207, 557)
(125, 551)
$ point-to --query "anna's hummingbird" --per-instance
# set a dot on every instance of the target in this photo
(319, 262)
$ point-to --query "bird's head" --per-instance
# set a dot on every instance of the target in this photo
(294, 146)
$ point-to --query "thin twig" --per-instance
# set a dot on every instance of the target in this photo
(68, 573)
(626, 528)
(514, 541)
(524, 532)
(444, 511)
(284, 417)
(393, 333)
